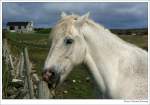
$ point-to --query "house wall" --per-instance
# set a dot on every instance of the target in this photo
(8, 29)
(16, 28)
(28, 28)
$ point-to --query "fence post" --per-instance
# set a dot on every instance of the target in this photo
(8, 57)
(11, 62)
(43, 91)
(21, 68)
(28, 73)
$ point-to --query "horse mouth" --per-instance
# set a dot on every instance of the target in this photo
(52, 78)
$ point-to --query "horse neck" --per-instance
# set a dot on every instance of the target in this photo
(102, 44)
(102, 48)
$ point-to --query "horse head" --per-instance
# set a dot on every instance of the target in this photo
(67, 50)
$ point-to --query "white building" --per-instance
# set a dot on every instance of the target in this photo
(20, 27)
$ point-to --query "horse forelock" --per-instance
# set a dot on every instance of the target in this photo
(66, 26)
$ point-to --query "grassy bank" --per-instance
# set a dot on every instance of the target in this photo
(38, 50)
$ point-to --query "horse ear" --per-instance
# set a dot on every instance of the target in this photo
(72, 13)
(86, 16)
(63, 14)
(83, 18)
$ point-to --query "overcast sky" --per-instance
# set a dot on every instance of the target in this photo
(111, 15)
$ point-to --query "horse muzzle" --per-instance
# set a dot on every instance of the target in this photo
(52, 77)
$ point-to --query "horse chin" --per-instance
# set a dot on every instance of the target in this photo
(52, 86)
(54, 83)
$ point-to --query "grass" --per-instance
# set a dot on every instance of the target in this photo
(38, 50)
(141, 41)
(38, 56)
(81, 89)
(32, 39)
(5, 79)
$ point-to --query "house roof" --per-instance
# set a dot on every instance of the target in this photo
(17, 23)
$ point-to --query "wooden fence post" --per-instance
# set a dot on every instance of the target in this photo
(43, 91)
(21, 68)
(11, 62)
(8, 57)
(23, 72)
(28, 73)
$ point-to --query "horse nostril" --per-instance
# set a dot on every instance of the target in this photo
(50, 73)
(51, 76)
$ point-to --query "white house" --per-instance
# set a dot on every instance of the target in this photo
(20, 26)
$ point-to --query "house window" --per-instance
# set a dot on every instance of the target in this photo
(12, 28)
(19, 27)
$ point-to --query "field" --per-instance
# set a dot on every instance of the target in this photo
(83, 87)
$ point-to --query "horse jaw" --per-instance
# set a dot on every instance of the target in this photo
(64, 76)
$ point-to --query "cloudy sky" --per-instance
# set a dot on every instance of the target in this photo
(111, 15)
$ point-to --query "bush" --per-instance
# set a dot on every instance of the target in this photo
(43, 31)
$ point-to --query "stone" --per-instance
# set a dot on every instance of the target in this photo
(65, 92)
(87, 79)
(74, 81)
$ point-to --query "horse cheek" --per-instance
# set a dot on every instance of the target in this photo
(78, 54)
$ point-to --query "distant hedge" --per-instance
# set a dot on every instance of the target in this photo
(142, 31)
(42, 30)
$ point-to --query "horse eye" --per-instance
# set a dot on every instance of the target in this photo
(68, 41)
(75, 18)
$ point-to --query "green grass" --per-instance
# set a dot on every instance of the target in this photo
(81, 89)
(141, 41)
(29, 38)
(5, 79)
(38, 56)
(38, 50)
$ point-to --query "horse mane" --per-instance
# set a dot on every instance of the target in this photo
(65, 25)
(105, 32)
(94, 24)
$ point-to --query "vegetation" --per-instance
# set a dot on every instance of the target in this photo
(142, 31)
(139, 40)
(38, 48)
(42, 30)
(5, 79)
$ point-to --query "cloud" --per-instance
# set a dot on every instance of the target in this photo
(111, 15)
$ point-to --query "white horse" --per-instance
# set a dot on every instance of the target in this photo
(120, 69)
